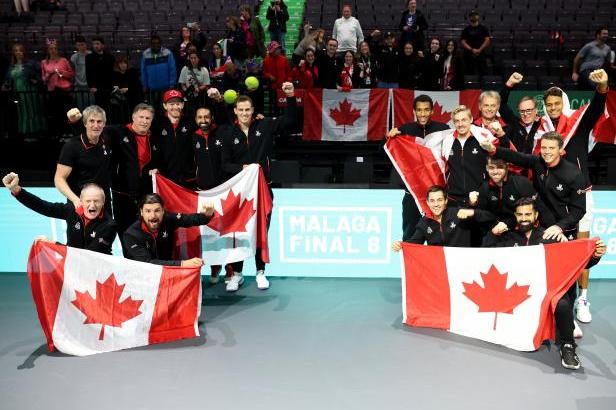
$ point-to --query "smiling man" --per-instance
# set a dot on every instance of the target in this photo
(87, 226)
(152, 238)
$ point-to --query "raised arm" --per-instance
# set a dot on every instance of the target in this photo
(38, 205)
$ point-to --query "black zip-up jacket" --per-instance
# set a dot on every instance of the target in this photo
(329, 69)
(94, 235)
(157, 248)
(576, 150)
(517, 238)
(500, 200)
(561, 187)
(466, 168)
(207, 151)
(523, 140)
(452, 231)
(415, 37)
(128, 179)
(239, 149)
(387, 60)
(175, 153)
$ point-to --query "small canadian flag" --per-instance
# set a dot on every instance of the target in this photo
(357, 115)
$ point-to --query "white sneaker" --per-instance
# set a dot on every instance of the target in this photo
(236, 281)
(213, 279)
(583, 310)
(577, 331)
(262, 282)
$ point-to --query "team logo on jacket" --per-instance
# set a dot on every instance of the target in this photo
(516, 244)
(197, 145)
(179, 215)
(218, 142)
(474, 151)
(125, 139)
(494, 198)
(184, 129)
(559, 187)
(453, 225)
(258, 133)
(165, 234)
(93, 234)
(154, 148)
(236, 141)
(164, 133)
(429, 231)
(77, 225)
(512, 198)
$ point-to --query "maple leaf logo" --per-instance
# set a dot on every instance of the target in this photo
(345, 114)
(439, 115)
(105, 307)
(235, 216)
(494, 297)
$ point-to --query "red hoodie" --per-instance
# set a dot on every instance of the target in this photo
(276, 69)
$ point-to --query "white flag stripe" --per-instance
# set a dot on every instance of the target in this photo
(517, 331)
(332, 100)
(141, 282)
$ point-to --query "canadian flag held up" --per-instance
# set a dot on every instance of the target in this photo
(88, 302)
(239, 225)
(501, 295)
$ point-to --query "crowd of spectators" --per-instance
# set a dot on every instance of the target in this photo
(341, 57)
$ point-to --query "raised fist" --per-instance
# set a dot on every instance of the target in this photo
(500, 228)
(11, 181)
(214, 94)
(73, 115)
(288, 88)
(488, 146)
(497, 129)
(393, 132)
(599, 77)
(396, 246)
(473, 198)
(465, 213)
(514, 79)
(208, 208)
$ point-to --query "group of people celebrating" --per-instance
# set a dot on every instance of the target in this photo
(105, 172)
(514, 186)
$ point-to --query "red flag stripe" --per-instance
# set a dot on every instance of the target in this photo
(46, 275)
(425, 286)
(313, 114)
(378, 108)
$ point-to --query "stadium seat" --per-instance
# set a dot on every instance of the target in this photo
(358, 169)
(316, 175)
(285, 172)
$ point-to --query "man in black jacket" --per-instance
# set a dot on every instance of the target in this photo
(151, 238)
(446, 226)
(329, 64)
(249, 141)
(87, 226)
(560, 184)
(528, 232)
(423, 107)
(499, 194)
(99, 72)
(412, 26)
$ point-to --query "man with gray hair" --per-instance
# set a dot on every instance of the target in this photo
(489, 104)
(85, 158)
(87, 226)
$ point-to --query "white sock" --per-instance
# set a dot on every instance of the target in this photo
(583, 293)
(237, 273)
(260, 272)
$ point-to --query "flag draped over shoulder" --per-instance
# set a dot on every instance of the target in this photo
(421, 161)
(239, 224)
(357, 115)
(89, 303)
(505, 296)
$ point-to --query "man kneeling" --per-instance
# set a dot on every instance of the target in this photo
(151, 238)
(529, 232)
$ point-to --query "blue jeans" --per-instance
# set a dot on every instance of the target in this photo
(382, 84)
(278, 36)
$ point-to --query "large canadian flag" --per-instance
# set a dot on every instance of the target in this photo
(444, 103)
(239, 224)
(501, 295)
(357, 115)
(88, 302)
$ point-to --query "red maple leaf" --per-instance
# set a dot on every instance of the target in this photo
(235, 215)
(494, 297)
(105, 307)
(346, 115)
(439, 115)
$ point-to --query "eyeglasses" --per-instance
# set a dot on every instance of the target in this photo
(527, 112)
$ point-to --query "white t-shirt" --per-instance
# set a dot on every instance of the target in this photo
(348, 33)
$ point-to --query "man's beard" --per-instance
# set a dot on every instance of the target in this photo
(525, 227)
(204, 126)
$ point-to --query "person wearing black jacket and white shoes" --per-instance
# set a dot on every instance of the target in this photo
(526, 233)
(251, 141)
(423, 108)
(87, 226)
(152, 238)
(560, 184)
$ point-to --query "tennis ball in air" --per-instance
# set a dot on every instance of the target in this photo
(252, 83)
(230, 96)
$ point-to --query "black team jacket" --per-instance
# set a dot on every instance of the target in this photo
(157, 247)
(92, 234)
(175, 153)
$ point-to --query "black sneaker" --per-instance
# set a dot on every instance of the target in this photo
(569, 359)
